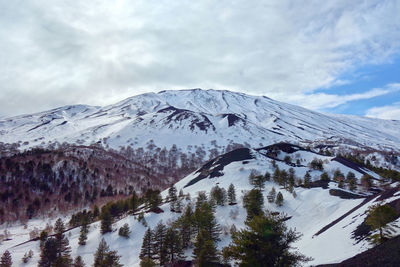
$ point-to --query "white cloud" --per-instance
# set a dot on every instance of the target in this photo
(321, 101)
(390, 112)
(97, 52)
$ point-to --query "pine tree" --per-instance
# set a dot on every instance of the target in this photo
(205, 220)
(124, 231)
(101, 252)
(201, 198)
(231, 195)
(325, 177)
(83, 234)
(63, 248)
(276, 175)
(172, 193)
(104, 257)
(6, 260)
(78, 262)
(158, 243)
(291, 179)
(178, 205)
(253, 201)
(49, 251)
(205, 251)
(173, 246)
(379, 217)
(307, 180)
(279, 199)
(271, 195)
(366, 181)
(185, 226)
(106, 222)
(147, 245)
(283, 178)
(218, 195)
(96, 211)
(257, 180)
(134, 202)
(265, 241)
(267, 176)
(147, 262)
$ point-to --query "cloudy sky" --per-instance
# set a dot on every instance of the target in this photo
(332, 56)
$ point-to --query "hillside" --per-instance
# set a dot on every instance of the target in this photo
(326, 221)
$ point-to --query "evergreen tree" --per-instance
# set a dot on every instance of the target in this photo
(201, 198)
(158, 243)
(283, 178)
(291, 179)
(205, 251)
(352, 184)
(63, 248)
(173, 246)
(96, 211)
(256, 180)
(307, 180)
(147, 246)
(134, 202)
(279, 199)
(48, 255)
(338, 175)
(124, 231)
(340, 184)
(147, 262)
(218, 195)
(178, 205)
(104, 257)
(6, 260)
(231, 195)
(267, 176)
(172, 197)
(83, 234)
(379, 217)
(78, 262)
(366, 181)
(106, 222)
(325, 177)
(43, 237)
(172, 193)
(205, 220)
(271, 195)
(276, 175)
(186, 226)
(253, 202)
(265, 241)
(350, 175)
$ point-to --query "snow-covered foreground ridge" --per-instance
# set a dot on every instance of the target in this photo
(197, 117)
(312, 210)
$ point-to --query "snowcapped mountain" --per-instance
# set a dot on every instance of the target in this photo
(202, 118)
(327, 216)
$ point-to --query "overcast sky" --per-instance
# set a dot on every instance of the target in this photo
(335, 56)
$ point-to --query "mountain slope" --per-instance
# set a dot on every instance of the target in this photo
(310, 211)
(202, 118)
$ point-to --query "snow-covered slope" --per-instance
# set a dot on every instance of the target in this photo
(310, 211)
(203, 118)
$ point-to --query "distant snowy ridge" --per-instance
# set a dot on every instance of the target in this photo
(203, 118)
